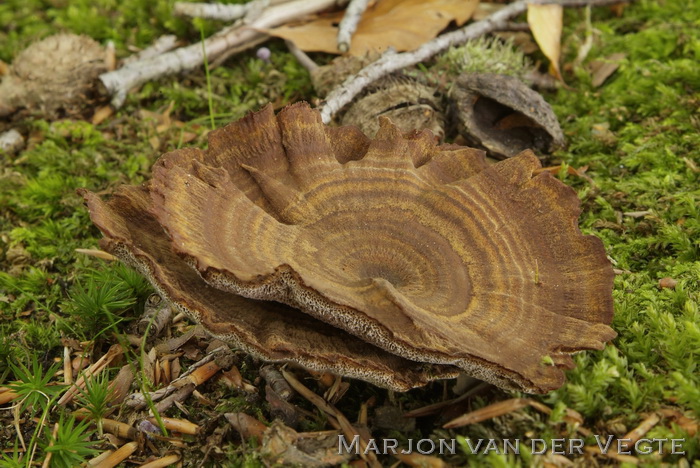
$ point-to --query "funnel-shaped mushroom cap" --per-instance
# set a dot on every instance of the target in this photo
(422, 250)
(269, 330)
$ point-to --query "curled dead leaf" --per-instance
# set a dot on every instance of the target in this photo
(546, 22)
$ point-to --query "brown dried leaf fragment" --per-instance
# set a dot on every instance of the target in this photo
(546, 23)
(602, 69)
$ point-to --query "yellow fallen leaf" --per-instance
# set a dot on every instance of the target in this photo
(401, 24)
(546, 24)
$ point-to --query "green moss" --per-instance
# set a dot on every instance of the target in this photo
(649, 106)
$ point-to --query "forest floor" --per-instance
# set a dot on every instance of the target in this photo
(638, 135)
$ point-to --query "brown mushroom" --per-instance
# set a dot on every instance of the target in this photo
(504, 116)
(424, 251)
(269, 330)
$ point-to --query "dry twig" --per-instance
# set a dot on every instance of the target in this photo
(223, 12)
(349, 23)
(160, 46)
(163, 461)
(182, 426)
(494, 410)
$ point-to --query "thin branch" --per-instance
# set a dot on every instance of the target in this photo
(349, 23)
(223, 12)
(303, 59)
(160, 46)
(390, 61)
(215, 11)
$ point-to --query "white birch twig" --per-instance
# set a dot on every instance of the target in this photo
(349, 23)
(159, 46)
(390, 61)
(301, 56)
(217, 11)
(119, 82)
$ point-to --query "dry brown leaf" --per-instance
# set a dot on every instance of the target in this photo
(546, 23)
(602, 69)
(401, 24)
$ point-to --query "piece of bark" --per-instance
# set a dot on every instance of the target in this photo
(119, 387)
(281, 409)
(179, 396)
